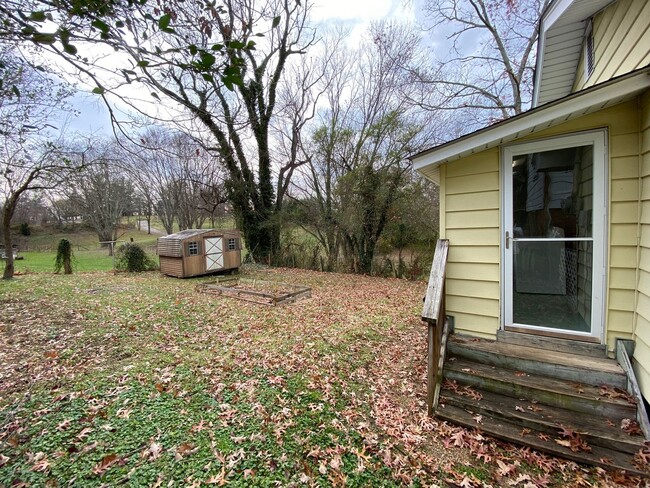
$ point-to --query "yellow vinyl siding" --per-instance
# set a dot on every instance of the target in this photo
(472, 223)
(642, 329)
(621, 35)
(470, 201)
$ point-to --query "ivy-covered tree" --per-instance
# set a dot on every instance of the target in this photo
(215, 66)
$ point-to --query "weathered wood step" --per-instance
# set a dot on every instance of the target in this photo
(577, 397)
(583, 369)
(502, 429)
(565, 346)
(547, 419)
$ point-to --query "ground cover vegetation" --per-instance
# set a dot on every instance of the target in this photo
(137, 379)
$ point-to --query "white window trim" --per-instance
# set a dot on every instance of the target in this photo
(599, 222)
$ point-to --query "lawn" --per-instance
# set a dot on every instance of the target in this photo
(137, 379)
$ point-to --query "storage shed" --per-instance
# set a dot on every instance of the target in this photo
(196, 252)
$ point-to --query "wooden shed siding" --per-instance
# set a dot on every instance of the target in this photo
(170, 247)
(470, 210)
(642, 326)
(171, 266)
(621, 42)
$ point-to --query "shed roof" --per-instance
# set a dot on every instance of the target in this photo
(554, 113)
(185, 234)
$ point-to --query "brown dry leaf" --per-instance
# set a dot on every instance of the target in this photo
(153, 452)
(183, 450)
(505, 469)
(631, 427)
(105, 464)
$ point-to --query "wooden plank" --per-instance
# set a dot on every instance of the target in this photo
(553, 344)
(226, 286)
(544, 418)
(509, 432)
(431, 367)
(441, 362)
(433, 297)
(499, 351)
(551, 333)
(548, 391)
(633, 387)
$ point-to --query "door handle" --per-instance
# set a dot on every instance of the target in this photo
(507, 240)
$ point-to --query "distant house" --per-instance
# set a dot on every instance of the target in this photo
(548, 213)
(196, 252)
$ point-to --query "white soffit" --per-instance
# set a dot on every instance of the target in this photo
(559, 47)
(578, 104)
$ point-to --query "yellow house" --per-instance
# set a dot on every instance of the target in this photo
(548, 213)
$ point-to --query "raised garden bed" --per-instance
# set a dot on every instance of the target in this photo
(258, 291)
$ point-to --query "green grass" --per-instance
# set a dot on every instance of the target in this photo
(43, 262)
(134, 378)
(46, 238)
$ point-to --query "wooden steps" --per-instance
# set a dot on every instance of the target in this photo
(569, 405)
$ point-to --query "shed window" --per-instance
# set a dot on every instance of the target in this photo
(193, 248)
(232, 244)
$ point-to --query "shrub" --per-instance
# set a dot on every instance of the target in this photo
(132, 258)
(25, 230)
(64, 257)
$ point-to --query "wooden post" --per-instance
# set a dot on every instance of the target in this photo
(433, 313)
(431, 367)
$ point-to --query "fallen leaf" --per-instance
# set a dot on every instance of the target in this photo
(106, 462)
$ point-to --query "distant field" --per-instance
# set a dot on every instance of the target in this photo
(38, 250)
(43, 262)
(82, 239)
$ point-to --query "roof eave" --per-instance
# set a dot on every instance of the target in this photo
(540, 117)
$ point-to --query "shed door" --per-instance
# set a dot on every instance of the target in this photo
(554, 243)
(213, 253)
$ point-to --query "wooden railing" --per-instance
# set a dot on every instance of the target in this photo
(433, 313)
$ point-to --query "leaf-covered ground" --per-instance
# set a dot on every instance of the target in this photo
(139, 380)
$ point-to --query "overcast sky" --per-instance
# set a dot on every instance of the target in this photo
(356, 14)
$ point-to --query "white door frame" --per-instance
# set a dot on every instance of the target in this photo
(598, 139)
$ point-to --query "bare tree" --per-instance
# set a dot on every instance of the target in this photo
(488, 73)
(31, 153)
(183, 181)
(102, 193)
(360, 148)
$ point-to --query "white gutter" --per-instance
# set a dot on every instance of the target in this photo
(559, 110)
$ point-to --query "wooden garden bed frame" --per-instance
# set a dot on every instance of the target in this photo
(226, 286)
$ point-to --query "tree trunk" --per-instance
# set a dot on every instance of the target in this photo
(9, 263)
(7, 214)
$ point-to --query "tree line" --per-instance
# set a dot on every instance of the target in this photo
(301, 129)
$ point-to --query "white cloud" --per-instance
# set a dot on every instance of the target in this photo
(358, 14)
(360, 10)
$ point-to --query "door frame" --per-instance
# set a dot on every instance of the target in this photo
(597, 138)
